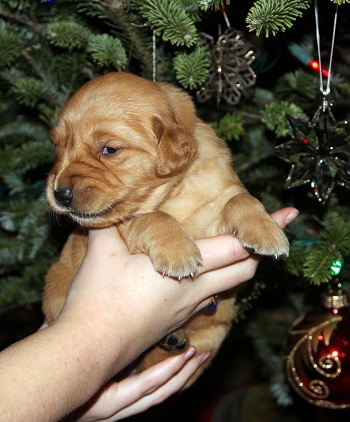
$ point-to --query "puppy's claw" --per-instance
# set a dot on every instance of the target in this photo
(272, 242)
(175, 264)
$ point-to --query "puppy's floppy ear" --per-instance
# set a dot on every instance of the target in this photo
(176, 144)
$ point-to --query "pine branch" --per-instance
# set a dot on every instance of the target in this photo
(170, 21)
(230, 127)
(274, 15)
(192, 8)
(317, 267)
(339, 2)
(274, 116)
(106, 50)
(22, 12)
(212, 4)
(122, 20)
(333, 246)
(67, 34)
(12, 213)
(192, 69)
(21, 290)
(33, 232)
(297, 87)
(29, 91)
(9, 46)
(17, 132)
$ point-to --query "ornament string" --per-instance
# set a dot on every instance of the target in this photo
(226, 19)
(326, 91)
(154, 55)
(154, 50)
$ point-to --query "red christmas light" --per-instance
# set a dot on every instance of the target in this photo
(315, 65)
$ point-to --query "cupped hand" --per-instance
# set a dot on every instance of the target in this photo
(137, 393)
(161, 305)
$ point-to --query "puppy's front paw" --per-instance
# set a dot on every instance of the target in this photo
(264, 237)
(170, 248)
(175, 341)
(178, 258)
(247, 219)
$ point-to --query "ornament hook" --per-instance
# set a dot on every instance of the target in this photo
(326, 91)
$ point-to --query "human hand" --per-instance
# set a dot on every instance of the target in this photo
(124, 294)
(135, 394)
(225, 265)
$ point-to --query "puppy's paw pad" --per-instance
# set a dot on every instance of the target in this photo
(179, 261)
(267, 239)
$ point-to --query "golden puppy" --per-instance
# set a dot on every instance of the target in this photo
(133, 153)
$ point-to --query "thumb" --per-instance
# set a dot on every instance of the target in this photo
(285, 216)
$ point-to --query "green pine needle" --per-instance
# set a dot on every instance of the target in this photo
(107, 50)
(212, 4)
(29, 91)
(170, 21)
(334, 245)
(274, 15)
(297, 87)
(230, 127)
(274, 116)
(9, 47)
(192, 69)
(339, 2)
(67, 34)
(317, 267)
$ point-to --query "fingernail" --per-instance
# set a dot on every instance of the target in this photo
(190, 352)
(292, 216)
(204, 357)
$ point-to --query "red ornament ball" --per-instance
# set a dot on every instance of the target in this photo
(318, 356)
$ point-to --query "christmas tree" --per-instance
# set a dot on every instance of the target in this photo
(252, 68)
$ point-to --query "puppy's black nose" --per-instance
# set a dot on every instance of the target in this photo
(64, 196)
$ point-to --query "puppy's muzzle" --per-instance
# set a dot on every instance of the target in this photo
(64, 196)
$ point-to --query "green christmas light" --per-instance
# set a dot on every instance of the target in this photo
(336, 266)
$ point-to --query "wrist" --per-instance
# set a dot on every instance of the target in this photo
(108, 335)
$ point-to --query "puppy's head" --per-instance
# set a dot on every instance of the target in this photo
(121, 143)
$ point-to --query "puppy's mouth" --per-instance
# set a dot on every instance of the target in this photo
(88, 216)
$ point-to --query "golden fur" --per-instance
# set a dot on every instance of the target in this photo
(133, 153)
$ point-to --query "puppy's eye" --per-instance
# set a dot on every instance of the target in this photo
(110, 150)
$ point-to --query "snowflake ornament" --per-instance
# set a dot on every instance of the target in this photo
(230, 72)
(319, 153)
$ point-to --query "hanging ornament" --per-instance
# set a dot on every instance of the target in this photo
(319, 153)
(230, 71)
(319, 150)
(318, 352)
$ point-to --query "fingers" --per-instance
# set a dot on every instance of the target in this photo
(137, 393)
(173, 385)
(220, 251)
(224, 250)
(216, 252)
(285, 216)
